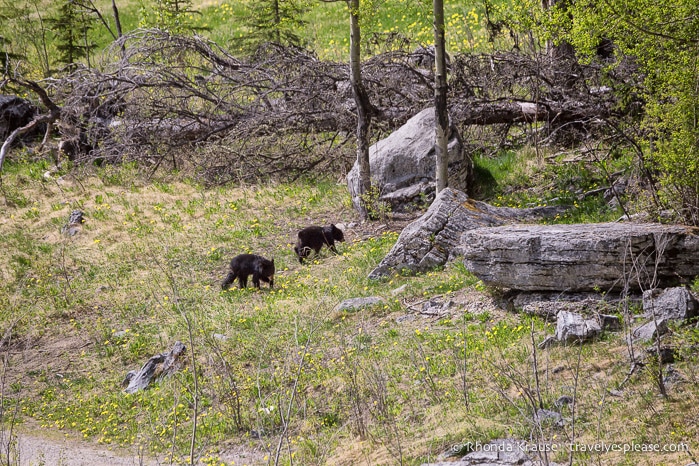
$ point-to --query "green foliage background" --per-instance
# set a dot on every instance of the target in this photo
(662, 38)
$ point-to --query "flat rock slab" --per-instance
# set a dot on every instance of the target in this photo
(547, 304)
(585, 257)
(433, 239)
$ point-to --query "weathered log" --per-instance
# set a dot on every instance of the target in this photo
(587, 257)
(157, 367)
(75, 221)
(512, 112)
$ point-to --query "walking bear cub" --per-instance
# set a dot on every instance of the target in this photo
(314, 237)
(244, 265)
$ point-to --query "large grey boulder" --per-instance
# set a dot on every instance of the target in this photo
(432, 239)
(403, 164)
(584, 257)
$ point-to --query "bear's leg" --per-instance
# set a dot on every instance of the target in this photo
(267, 280)
(229, 279)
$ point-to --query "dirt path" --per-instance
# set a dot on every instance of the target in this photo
(48, 449)
(55, 451)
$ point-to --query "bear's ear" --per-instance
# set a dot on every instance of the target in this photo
(332, 225)
(273, 260)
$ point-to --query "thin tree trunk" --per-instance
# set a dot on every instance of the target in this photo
(441, 117)
(361, 99)
(117, 21)
(277, 22)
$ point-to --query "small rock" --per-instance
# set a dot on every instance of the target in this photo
(563, 400)
(405, 318)
(74, 224)
(574, 327)
(667, 354)
(548, 416)
(673, 376)
(609, 322)
(220, 336)
(354, 304)
(648, 331)
(436, 307)
(399, 290)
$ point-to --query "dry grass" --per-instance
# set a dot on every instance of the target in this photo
(85, 310)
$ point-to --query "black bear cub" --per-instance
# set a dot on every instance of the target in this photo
(250, 264)
(314, 237)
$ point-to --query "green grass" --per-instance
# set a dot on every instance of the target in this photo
(526, 179)
(326, 29)
(370, 385)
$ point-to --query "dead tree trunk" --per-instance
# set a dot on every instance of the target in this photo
(441, 119)
(117, 21)
(361, 100)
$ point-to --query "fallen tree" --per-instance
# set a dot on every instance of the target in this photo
(161, 98)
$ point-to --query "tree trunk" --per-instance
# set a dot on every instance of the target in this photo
(117, 21)
(361, 99)
(441, 119)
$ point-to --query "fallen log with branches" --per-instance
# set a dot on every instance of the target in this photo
(167, 99)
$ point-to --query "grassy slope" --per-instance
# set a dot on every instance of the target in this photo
(327, 27)
(366, 389)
